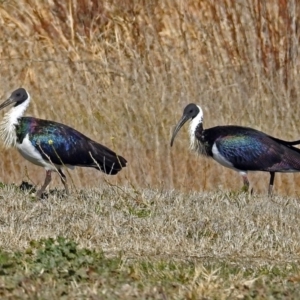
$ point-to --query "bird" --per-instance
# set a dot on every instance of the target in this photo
(52, 145)
(240, 148)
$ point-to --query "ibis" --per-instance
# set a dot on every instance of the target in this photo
(240, 148)
(52, 145)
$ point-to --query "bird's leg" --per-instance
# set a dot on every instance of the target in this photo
(272, 177)
(46, 183)
(63, 179)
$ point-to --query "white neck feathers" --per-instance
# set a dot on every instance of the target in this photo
(9, 121)
(194, 143)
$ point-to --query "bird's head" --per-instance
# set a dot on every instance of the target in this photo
(191, 112)
(17, 97)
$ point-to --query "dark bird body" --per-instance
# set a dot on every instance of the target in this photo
(63, 145)
(240, 148)
(53, 145)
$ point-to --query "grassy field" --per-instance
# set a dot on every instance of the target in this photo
(172, 225)
(122, 243)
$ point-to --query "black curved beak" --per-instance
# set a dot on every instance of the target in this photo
(181, 122)
(7, 102)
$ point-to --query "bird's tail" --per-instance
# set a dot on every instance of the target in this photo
(287, 143)
(106, 160)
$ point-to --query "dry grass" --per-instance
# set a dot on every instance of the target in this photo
(158, 243)
(121, 72)
(139, 222)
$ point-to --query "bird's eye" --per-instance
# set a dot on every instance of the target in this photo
(18, 94)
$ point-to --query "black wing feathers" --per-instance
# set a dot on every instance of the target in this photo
(249, 149)
(67, 146)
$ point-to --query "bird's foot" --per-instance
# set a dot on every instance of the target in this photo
(270, 191)
(41, 195)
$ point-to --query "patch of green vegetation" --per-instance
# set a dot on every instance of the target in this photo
(56, 261)
(2, 185)
(139, 212)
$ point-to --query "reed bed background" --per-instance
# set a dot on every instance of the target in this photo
(121, 72)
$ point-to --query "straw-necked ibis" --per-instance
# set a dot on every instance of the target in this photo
(52, 145)
(240, 148)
